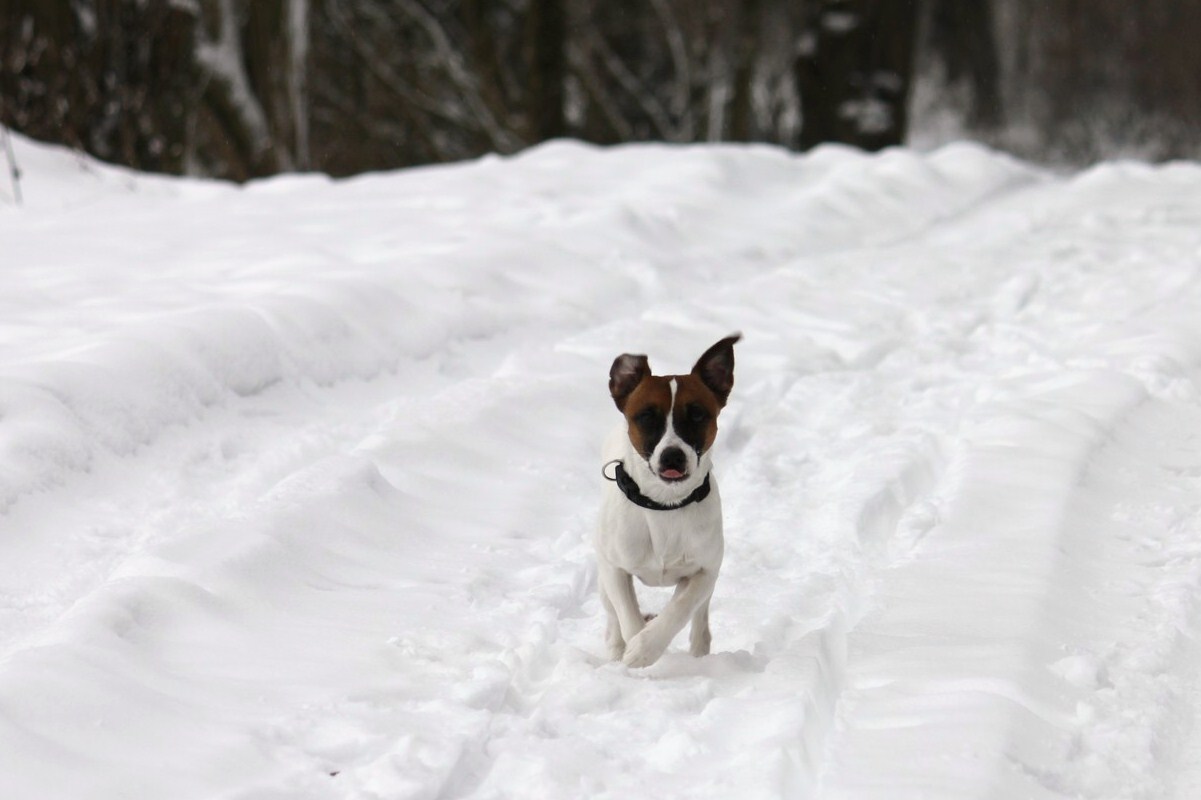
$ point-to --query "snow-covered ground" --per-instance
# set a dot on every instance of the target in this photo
(297, 480)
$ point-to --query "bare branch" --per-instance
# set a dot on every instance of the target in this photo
(644, 97)
(14, 170)
(410, 96)
(500, 136)
(600, 96)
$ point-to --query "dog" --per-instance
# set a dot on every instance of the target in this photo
(660, 518)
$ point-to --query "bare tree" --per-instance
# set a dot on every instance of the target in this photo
(252, 57)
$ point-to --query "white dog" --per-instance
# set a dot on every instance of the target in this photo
(661, 512)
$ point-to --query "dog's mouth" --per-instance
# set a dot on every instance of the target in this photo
(672, 475)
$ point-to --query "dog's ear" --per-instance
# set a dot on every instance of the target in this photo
(716, 367)
(625, 375)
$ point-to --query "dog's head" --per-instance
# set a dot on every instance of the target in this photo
(672, 419)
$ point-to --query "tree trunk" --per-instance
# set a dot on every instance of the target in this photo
(742, 122)
(827, 61)
(271, 50)
(854, 72)
(963, 38)
(546, 34)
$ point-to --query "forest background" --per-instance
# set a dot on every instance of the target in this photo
(246, 88)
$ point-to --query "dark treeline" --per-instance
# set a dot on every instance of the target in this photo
(242, 88)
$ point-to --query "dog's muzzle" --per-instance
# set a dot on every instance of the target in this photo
(673, 464)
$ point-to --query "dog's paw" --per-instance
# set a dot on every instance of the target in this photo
(615, 650)
(643, 650)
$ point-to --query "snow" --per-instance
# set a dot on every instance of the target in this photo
(297, 479)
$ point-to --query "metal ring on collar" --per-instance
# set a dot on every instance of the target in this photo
(616, 461)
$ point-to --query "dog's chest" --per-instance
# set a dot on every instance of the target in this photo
(670, 557)
(661, 548)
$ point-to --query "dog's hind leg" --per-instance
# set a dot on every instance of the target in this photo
(699, 637)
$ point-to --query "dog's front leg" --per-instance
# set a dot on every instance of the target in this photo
(699, 637)
(691, 593)
(621, 605)
(615, 643)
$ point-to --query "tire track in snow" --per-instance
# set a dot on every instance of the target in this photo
(1073, 644)
(1050, 674)
(1126, 668)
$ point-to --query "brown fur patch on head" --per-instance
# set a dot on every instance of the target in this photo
(694, 415)
(695, 412)
(646, 410)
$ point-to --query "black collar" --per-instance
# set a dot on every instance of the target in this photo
(630, 489)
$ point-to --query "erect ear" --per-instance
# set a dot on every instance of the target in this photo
(716, 367)
(625, 375)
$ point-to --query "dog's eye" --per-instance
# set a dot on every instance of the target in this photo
(646, 417)
(696, 413)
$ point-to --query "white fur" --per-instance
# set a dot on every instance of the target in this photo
(682, 547)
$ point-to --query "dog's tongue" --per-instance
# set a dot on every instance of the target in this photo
(672, 474)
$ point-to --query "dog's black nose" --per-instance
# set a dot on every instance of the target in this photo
(673, 458)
